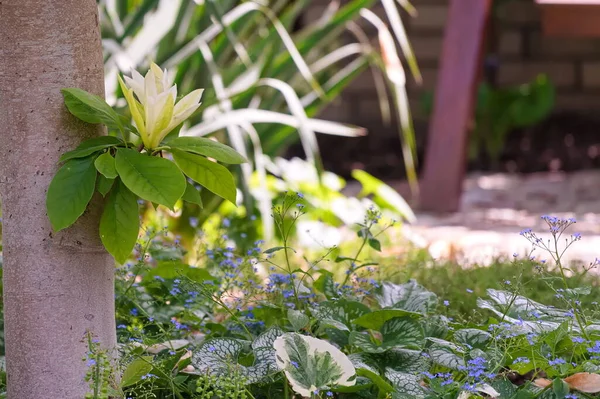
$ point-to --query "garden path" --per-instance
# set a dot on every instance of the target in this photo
(495, 208)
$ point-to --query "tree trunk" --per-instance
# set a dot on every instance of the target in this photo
(57, 286)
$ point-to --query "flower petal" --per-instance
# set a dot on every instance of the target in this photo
(187, 102)
(134, 108)
(159, 78)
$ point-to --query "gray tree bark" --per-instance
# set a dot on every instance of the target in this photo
(57, 286)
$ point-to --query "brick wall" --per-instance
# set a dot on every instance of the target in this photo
(573, 65)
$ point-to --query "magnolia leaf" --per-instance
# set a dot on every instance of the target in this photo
(91, 146)
(409, 296)
(120, 223)
(210, 175)
(151, 178)
(105, 164)
(136, 370)
(70, 191)
(192, 195)
(208, 148)
(297, 319)
(103, 185)
(584, 382)
(90, 108)
(311, 363)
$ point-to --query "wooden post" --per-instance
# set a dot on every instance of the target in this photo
(461, 62)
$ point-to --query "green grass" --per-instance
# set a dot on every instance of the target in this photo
(450, 282)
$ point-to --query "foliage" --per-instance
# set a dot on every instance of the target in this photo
(245, 325)
(124, 174)
(267, 69)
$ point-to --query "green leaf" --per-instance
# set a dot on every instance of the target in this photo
(219, 357)
(120, 224)
(446, 357)
(326, 285)
(90, 108)
(103, 185)
(333, 324)
(409, 296)
(192, 195)
(560, 388)
(135, 370)
(173, 269)
(341, 310)
(400, 332)
(151, 178)
(406, 385)
(70, 192)
(406, 360)
(376, 319)
(436, 326)
(473, 337)
(297, 319)
(366, 366)
(214, 177)
(208, 148)
(105, 164)
(375, 244)
(91, 146)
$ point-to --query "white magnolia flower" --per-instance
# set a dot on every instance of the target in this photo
(154, 111)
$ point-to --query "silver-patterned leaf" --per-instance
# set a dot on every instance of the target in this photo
(406, 386)
(446, 357)
(409, 296)
(472, 337)
(406, 360)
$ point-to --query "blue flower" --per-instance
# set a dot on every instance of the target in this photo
(556, 361)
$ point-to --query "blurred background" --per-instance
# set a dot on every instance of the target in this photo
(475, 116)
